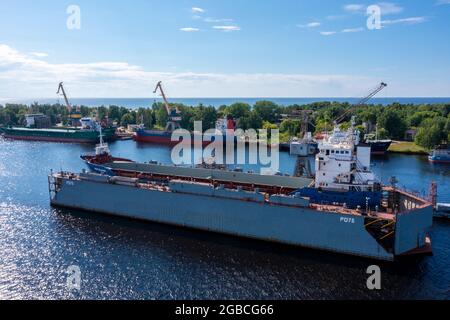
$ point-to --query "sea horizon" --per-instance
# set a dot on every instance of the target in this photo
(218, 101)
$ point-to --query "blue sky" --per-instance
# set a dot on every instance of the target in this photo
(233, 48)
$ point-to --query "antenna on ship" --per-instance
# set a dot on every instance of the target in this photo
(103, 147)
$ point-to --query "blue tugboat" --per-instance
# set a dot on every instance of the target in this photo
(440, 155)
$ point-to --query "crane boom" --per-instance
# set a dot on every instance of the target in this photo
(361, 102)
(174, 119)
(61, 89)
(166, 103)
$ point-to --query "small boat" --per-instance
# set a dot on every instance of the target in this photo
(98, 162)
(440, 155)
(442, 210)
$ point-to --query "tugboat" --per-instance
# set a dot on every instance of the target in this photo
(440, 155)
(97, 162)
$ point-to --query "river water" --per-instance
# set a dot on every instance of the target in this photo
(124, 259)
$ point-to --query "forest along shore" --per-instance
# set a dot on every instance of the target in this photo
(415, 128)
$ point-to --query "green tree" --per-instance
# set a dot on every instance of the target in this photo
(432, 133)
(208, 116)
(417, 118)
(161, 117)
(127, 119)
(393, 123)
(239, 110)
(291, 127)
(267, 110)
(250, 121)
(114, 113)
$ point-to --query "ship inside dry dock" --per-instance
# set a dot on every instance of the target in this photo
(344, 209)
(250, 205)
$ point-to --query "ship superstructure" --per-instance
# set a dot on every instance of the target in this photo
(343, 163)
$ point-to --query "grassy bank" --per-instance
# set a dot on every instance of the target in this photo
(407, 147)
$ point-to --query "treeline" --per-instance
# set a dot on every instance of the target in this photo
(430, 123)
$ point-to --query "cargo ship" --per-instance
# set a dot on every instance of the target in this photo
(377, 146)
(343, 210)
(87, 133)
(440, 155)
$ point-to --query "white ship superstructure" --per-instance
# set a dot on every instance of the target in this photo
(343, 163)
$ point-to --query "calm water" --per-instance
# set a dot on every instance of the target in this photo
(123, 259)
(217, 102)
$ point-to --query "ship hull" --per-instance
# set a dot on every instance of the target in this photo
(58, 135)
(153, 136)
(163, 137)
(435, 159)
(251, 217)
(379, 147)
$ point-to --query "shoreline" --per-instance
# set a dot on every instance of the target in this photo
(407, 147)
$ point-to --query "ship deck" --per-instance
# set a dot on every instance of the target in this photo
(230, 179)
(408, 202)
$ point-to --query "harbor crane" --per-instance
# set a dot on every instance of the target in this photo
(74, 116)
(362, 102)
(174, 114)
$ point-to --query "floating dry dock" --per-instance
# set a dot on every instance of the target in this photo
(248, 205)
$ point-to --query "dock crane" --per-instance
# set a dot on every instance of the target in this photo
(360, 103)
(74, 116)
(174, 114)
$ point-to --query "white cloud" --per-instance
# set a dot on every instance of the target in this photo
(349, 30)
(39, 54)
(227, 28)
(405, 21)
(389, 8)
(214, 20)
(441, 2)
(327, 33)
(353, 8)
(197, 10)
(309, 25)
(386, 8)
(24, 76)
(189, 29)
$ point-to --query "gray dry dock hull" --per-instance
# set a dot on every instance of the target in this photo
(291, 225)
